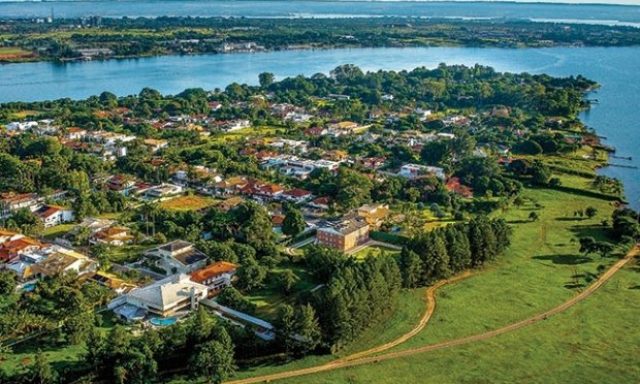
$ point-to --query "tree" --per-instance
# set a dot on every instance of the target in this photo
(266, 79)
(411, 267)
(591, 212)
(307, 329)
(286, 326)
(604, 248)
(8, 283)
(287, 280)
(214, 361)
(588, 245)
(251, 275)
(294, 222)
(41, 372)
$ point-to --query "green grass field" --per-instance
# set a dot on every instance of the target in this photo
(596, 341)
(188, 203)
(375, 250)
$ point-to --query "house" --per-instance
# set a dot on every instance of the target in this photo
(75, 133)
(321, 203)
(114, 236)
(52, 215)
(120, 183)
(11, 202)
(231, 185)
(316, 131)
(416, 171)
(343, 234)
(163, 190)
(22, 266)
(422, 114)
(12, 249)
(165, 297)
(372, 162)
(454, 185)
(343, 128)
(155, 145)
(235, 125)
(297, 195)
(112, 282)
(215, 276)
(374, 214)
(9, 235)
(230, 203)
(61, 261)
(178, 256)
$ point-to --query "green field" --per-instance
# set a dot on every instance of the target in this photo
(596, 341)
(375, 250)
(188, 203)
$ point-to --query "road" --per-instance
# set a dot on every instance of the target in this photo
(365, 357)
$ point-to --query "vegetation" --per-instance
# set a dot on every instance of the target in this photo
(134, 37)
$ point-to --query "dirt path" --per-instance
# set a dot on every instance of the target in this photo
(362, 358)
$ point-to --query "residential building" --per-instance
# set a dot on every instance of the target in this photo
(165, 297)
(61, 260)
(12, 249)
(52, 215)
(416, 171)
(297, 195)
(343, 234)
(374, 214)
(114, 236)
(155, 145)
(11, 202)
(215, 276)
(163, 190)
(178, 256)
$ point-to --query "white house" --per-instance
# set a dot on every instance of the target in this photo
(178, 256)
(415, 171)
(165, 297)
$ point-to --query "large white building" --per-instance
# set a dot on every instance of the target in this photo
(165, 297)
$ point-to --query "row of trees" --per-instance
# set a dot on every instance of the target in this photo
(434, 255)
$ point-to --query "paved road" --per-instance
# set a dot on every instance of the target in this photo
(346, 362)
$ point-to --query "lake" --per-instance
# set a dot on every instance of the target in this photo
(598, 14)
(617, 116)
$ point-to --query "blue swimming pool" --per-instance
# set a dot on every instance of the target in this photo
(29, 287)
(163, 321)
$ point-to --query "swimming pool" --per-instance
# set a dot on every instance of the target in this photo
(163, 321)
(29, 287)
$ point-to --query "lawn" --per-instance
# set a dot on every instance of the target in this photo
(188, 203)
(61, 357)
(126, 253)
(56, 231)
(538, 271)
(374, 250)
(270, 297)
(596, 341)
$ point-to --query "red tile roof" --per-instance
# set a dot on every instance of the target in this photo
(213, 270)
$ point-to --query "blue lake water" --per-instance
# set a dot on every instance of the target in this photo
(617, 116)
(331, 8)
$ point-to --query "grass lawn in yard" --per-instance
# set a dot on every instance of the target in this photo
(374, 250)
(188, 203)
(56, 231)
(126, 253)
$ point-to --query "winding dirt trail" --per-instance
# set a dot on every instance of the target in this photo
(364, 357)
